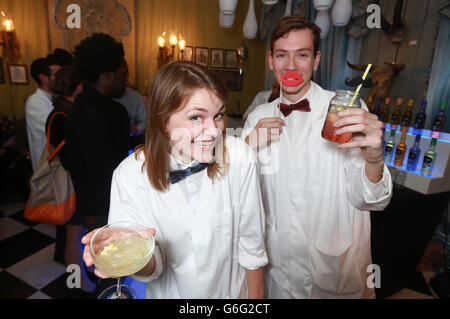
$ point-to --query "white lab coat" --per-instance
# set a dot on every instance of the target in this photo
(317, 199)
(204, 244)
(37, 108)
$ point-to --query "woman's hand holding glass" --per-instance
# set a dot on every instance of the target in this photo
(102, 240)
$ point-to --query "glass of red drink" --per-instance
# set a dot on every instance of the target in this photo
(340, 102)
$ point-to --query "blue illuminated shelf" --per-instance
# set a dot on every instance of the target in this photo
(440, 180)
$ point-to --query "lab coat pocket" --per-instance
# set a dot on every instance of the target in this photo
(335, 271)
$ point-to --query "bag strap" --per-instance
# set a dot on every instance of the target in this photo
(63, 142)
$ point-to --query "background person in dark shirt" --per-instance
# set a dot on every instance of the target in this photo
(97, 130)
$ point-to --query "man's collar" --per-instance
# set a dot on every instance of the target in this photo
(307, 95)
(45, 93)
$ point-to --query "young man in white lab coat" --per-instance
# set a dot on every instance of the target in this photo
(317, 194)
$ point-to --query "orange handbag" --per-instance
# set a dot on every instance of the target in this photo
(52, 196)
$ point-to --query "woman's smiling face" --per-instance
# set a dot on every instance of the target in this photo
(195, 129)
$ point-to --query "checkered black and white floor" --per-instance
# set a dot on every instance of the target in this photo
(27, 268)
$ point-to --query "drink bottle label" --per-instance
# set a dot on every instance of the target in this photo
(398, 152)
(412, 156)
(405, 120)
(427, 160)
(436, 124)
(420, 121)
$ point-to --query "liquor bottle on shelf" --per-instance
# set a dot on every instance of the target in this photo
(414, 154)
(396, 116)
(385, 110)
(389, 148)
(439, 119)
(420, 119)
(429, 158)
(400, 151)
(377, 110)
(407, 117)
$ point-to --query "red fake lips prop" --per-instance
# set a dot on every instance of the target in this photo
(291, 79)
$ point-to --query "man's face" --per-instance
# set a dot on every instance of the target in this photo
(294, 53)
(120, 82)
(51, 79)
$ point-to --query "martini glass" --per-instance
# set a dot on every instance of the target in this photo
(121, 249)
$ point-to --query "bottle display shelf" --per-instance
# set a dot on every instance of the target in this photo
(439, 181)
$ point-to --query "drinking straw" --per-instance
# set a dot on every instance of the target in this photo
(281, 99)
(359, 86)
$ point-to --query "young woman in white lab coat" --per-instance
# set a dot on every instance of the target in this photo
(209, 226)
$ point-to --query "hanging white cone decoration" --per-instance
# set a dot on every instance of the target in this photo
(341, 12)
(288, 10)
(322, 4)
(227, 15)
(227, 6)
(250, 25)
(270, 2)
(226, 20)
(323, 22)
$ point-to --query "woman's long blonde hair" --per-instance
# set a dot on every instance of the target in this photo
(173, 86)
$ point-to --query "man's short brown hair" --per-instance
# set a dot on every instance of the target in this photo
(289, 23)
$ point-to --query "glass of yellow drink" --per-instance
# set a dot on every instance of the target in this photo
(121, 249)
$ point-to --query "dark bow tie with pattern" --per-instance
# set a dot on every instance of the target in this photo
(177, 176)
(302, 106)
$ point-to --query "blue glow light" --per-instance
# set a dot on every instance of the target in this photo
(423, 136)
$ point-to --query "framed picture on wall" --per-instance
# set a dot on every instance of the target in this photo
(187, 54)
(233, 80)
(2, 72)
(202, 56)
(18, 73)
(216, 58)
(231, 59)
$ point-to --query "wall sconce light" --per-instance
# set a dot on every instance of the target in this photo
(162, 40)
(181, 46)
(173, 40)
(164, 56)
(8, 39)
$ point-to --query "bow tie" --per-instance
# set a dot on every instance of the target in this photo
(302, 106)
(177, 176)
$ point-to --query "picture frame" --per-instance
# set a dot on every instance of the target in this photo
(232, 79)
(187, 54)
(231, 59)
(217, 58)
(202, 56)
(18, 74)
(2, 72)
